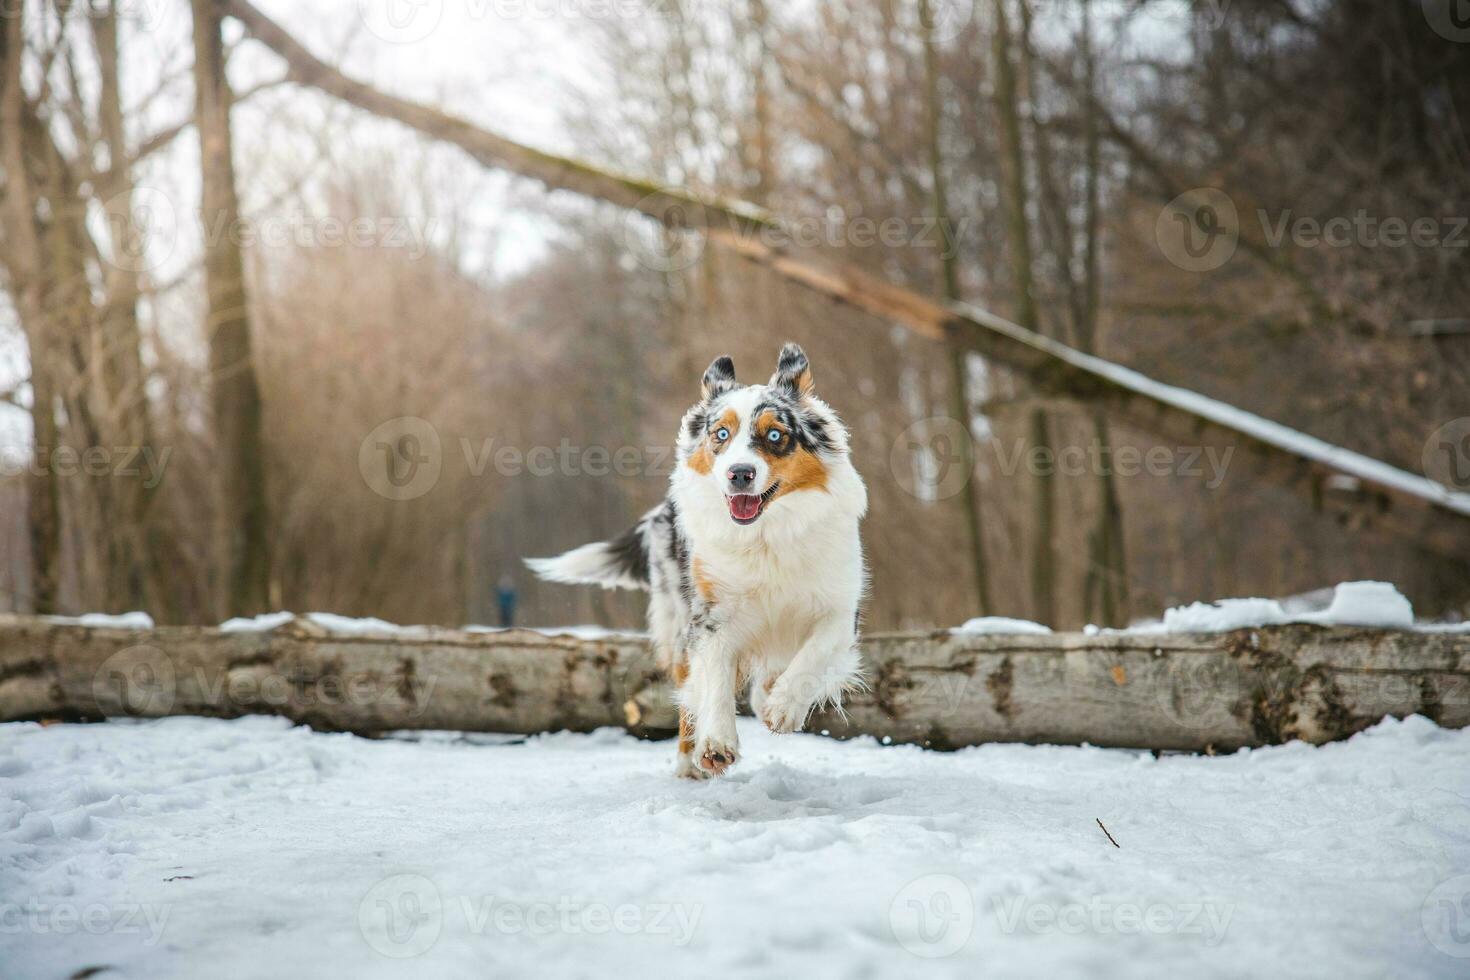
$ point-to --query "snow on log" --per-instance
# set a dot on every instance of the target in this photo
(944, 689)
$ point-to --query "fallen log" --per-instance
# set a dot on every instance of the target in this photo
(944, 690)
(368, 683)
(1194, 692)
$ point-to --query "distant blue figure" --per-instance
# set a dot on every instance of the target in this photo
(506, 595)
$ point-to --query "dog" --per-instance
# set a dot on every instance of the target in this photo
(753, 561)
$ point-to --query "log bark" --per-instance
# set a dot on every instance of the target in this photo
(1364, 492)
(1194, 692)
(942, 690)
(512, 681)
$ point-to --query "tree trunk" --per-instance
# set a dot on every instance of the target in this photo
(970, 494)
(132, 576)
(235, 395)
(1108, 567)
(25, 262)
(1018, 246)
(764, 163)
(1108, 594)
(71, 321)
(1013, 155)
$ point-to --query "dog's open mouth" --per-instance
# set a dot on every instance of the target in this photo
(746, 507)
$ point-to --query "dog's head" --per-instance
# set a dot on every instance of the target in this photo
(754, 450)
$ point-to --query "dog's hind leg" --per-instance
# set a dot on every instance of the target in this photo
(685, 767)
(668, 623)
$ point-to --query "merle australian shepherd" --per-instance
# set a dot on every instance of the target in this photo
(752, 561)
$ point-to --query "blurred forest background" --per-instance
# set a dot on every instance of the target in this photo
(1049, 135)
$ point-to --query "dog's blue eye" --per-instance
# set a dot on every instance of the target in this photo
(722, 434)
(774, 435)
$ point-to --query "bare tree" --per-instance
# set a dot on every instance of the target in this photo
(235, 394)
(950, 280)
(132, 576)
(1018, 243)
(25, 261)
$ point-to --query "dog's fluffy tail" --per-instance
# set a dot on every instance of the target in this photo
(621, 563)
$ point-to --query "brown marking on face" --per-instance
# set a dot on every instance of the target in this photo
(702, 582)
(681, 674)
(702, 460)
(802, 470)
(767, 420)
(799, 469)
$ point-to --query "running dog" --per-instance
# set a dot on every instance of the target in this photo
(753, 561)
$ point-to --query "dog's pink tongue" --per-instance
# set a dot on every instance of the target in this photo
(744, 506)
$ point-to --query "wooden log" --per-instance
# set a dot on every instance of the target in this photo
(511, 681)
(943, 690)
(1197, 692)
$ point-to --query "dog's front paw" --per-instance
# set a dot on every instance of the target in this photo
(784, 713)
(714, 755)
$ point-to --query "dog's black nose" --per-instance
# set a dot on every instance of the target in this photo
(741, 477)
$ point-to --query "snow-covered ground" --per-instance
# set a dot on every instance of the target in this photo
(192, 848)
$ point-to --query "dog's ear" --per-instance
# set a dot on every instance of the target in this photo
(719, 377)
(793, 372)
